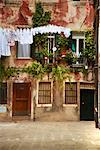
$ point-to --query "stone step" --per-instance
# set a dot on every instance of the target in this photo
(20, 118)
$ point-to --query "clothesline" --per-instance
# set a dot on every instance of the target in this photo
(25, 36)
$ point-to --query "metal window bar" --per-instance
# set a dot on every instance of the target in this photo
(3, 93)
(12, 1)
(70, 93)
(44, 94)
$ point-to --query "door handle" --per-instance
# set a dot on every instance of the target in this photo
(82, 103)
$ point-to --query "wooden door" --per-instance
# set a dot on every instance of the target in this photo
(87, 104)
(21, 99)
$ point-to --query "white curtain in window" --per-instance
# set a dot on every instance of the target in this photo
(24, 50)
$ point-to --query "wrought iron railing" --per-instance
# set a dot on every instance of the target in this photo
(58, 58)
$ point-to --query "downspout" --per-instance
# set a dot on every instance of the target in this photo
(97, 67)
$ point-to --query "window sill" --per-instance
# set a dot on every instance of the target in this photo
(23, 58)
(44, 105)
(69, 105)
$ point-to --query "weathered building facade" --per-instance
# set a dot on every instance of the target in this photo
(48, 98)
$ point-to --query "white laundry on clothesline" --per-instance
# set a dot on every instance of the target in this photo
(25, 36)
(4, 45)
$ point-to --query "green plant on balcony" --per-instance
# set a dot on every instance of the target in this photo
(70, 57)
(46, 53)
(43, 55)
(62, 43)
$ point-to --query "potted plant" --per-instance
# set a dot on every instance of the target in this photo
(70, 57)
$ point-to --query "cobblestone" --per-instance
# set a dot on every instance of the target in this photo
(27, 135)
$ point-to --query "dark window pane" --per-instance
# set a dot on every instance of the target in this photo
(13, 1)
(81, 45)
(3, 93)
(70, 93)
(74, 45)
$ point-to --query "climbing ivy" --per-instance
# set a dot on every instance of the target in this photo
(36, 70)
(2, 72)
(60, 73)
(89, 53)
(40, 18)
(62, 42)
(12, 72)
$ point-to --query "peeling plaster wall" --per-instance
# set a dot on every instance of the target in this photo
(66, 13)
(17, 13)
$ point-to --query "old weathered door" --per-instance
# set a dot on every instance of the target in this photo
(87, 104)
(21, 99)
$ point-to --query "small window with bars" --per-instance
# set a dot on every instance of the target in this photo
(12, 1)
(3, 93)
(70, 93)
(44, 93)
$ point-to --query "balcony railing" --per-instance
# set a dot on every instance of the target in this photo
(59, 59)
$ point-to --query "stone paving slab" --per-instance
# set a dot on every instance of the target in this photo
(28, 135)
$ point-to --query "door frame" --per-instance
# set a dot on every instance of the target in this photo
(29, 100)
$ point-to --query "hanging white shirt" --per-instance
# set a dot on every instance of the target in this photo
(26, 36)
(4, 46)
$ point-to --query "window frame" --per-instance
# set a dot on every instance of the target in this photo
(37, 95)
(76, 102)
(21, 56)
(13, 3)
(3, 101)
(77, 38)
(54, 43)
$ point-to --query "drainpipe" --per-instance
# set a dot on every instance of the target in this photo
(98, 57)
(97, 68)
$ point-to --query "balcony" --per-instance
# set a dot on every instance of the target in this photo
(68, 59)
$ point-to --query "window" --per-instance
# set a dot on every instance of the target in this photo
(3, 93)
(48, 1)
(24, 50)
(45, 52)
(70, 93)
(78, 42)
(44, 94)
(13, 1)
(51, 45)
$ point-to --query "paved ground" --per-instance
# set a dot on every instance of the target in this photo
(27, 135)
